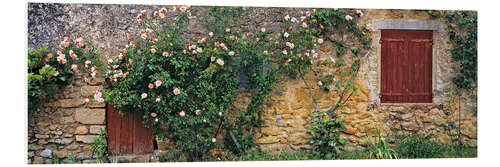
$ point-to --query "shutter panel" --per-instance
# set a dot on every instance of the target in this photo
(406, 68)
(392, 67)
(420, 71)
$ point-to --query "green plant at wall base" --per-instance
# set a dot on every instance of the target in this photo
(462, 29)
(379, 148)
(49, 71)
(71, 160)
(416, 146)
(99, 145)
(325, 137)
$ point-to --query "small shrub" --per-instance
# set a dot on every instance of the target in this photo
(280, 155)
(99, 145)
(380, 149)
(416, 146)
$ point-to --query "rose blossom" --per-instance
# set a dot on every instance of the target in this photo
(56, 74)
(158, 83)
(48, 57)
(360, 13)
(87, 63)
(231, 53)
(79, 42)
(228, 30)
(61, 59)
(369, 27)
(211, 34)
(72, 54)
(158, 99)
(320, 83)
(286, 34)
(182, 113)
(220, 62)
(110, 61)
(165, 54)
(214, 140)
(285, 52)
(212, 58)
(150, 86)
(320, 40)
(348, 18)
(177, 91)
(197, 112)
(287, 17)
(183, 9)
(199, 50)
(144, 95)
(74, 67)
(153, 114)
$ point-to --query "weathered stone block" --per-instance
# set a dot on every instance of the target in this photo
(268, 139)
(61, 153)
(63, 141)
(67, 103)
(43, 123)
(40, 136)
(46, 153)
(67, 120)
(82, 130)
(85, 138)
(90, 116)
(38, 160)
(87, 91)
(95, 129)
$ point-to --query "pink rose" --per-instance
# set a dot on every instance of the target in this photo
(158, 83)
(177, 91)
(220, 62)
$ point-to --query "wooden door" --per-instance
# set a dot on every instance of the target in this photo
(406, 66)
(126, 134)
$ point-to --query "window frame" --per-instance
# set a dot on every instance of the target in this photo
(439, 32)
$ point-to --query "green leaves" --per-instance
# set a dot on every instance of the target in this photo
(46, 74)
(462, 28)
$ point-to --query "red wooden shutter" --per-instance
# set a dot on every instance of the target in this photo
(406, 69)
(126, 134)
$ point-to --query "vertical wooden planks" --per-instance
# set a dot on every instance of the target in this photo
(126, 134)
(406, 66)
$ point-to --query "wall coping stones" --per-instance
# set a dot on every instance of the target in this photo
(379, 24)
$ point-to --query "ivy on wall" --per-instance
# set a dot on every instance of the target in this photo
(462, 29)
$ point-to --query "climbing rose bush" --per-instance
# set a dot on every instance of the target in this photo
(52, 70)
(181, 88)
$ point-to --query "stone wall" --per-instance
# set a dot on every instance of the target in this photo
(68, 123)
